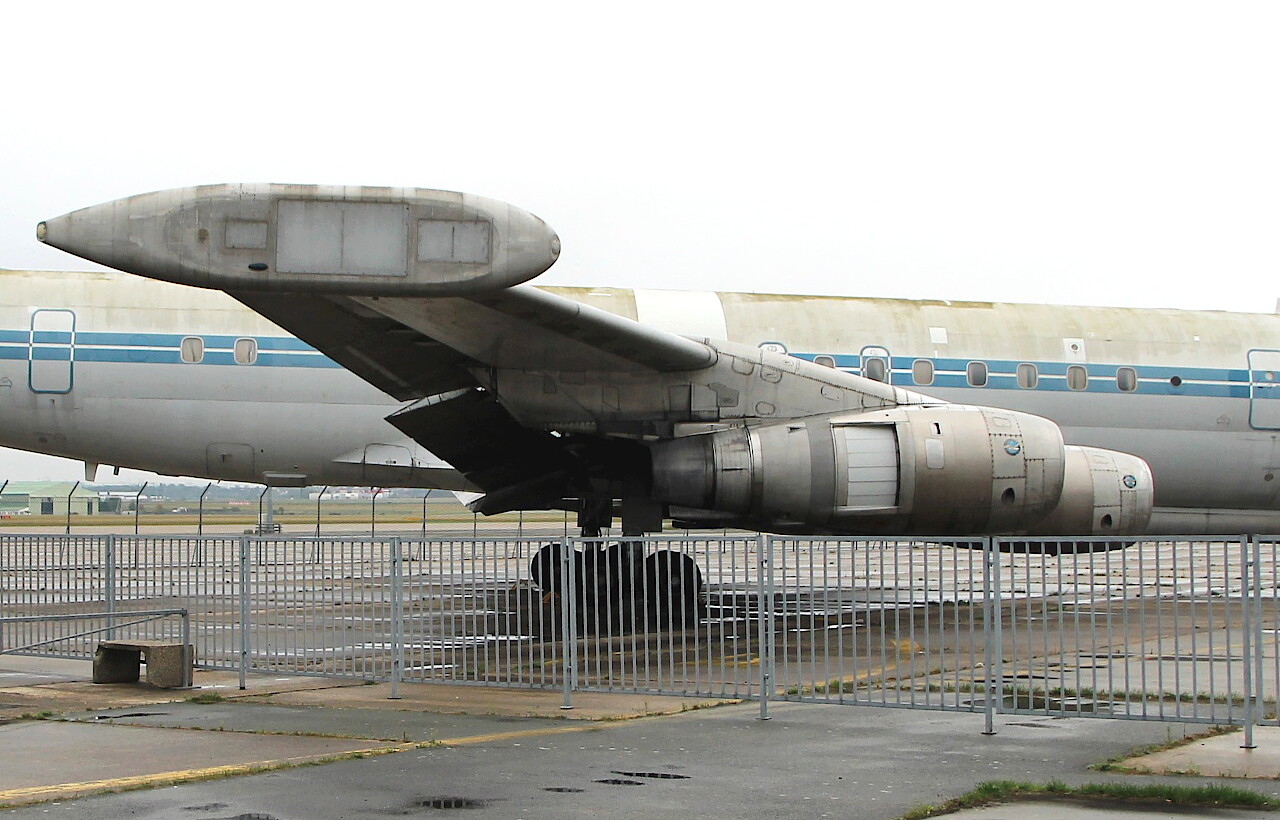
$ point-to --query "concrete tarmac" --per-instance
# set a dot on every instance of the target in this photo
(67, 744)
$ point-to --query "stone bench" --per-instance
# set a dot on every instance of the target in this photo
(169, 664)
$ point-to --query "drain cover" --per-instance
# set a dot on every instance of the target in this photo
(451, 803)
(654, 775)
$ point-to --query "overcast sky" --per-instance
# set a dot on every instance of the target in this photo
(1121, 153)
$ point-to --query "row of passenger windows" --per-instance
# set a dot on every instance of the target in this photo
(976, 373)
(245, 351)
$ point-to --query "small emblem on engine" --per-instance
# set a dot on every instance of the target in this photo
(1130, 481)
(1013, 447)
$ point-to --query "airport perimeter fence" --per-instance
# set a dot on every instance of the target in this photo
(1182, 630)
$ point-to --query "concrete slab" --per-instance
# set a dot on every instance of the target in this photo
(52, 759)
(1071, 810)
(374, 724)
(1217, 756)
(458, 699)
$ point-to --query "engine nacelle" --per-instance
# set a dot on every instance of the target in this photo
(1104, 493)
(947, 469)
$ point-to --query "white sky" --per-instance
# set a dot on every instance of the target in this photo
(1120, 153)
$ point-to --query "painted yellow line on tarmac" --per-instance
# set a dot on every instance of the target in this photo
(36, 793)
(31, 793)
(559, 730)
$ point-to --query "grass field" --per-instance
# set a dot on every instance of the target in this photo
(177, 513)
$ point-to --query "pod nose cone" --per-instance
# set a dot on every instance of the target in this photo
(89, 233)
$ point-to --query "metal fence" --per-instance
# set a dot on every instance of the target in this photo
(1151, 629)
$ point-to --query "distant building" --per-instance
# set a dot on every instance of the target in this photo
(47, 498)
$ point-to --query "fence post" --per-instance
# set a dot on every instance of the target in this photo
(188, 652)
(320, 497)
(200, 520)
(568, 621)
(1250, 632)
(244, 608)
(110, 591)
(397, 619)
(764, 626)
(74, 487)
(992, 634)
(137, 506)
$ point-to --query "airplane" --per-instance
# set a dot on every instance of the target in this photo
(296, 334)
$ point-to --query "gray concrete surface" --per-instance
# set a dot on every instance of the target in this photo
(808, 761)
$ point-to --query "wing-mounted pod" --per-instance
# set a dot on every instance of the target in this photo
(1104, 493)
(313, 239)
(915, 469)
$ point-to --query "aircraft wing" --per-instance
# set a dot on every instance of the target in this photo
(422, 348)
(417, 347)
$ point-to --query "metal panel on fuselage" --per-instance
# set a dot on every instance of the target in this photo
(135, 402)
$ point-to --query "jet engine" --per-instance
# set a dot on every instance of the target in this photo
(945, 469)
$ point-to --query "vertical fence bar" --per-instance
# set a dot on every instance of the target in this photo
(1259, 690)
(1249, 638)
(187, 650)
(244, 608)
(764, 628)
(110, 585)
(568, 622)
(991, 632)
(397, 618)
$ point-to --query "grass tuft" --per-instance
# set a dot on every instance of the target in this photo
(996, 791)
(206, 697)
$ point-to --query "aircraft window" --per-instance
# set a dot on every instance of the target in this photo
(977, 372)
(1028, 376)
(246, 351)
(1127, 379)
(874, 368)
(192, 349)
(825, 361)
(922, 371)
(1077, 377)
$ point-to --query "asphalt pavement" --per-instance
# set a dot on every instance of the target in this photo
(289, 748)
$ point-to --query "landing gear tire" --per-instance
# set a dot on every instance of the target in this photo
(546, 568)
(611, 581)
(673, 587)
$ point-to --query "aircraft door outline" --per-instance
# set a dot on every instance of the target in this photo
(1264, 389)
(51, 351)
